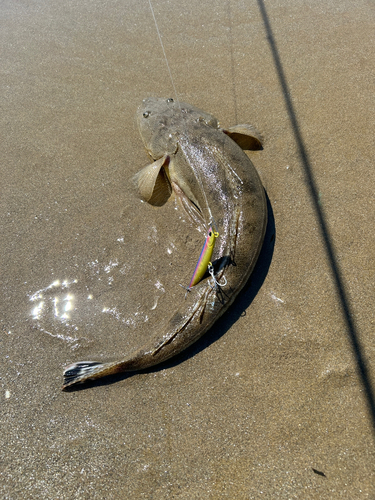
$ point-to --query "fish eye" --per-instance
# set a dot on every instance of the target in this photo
(170, 99)
(146, 114)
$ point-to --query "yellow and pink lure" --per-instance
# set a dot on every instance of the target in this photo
(205, 257)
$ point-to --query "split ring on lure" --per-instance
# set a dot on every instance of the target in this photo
(205, 257)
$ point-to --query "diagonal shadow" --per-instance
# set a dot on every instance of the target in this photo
(336, 271)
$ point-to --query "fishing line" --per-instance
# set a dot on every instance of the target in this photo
(165, 55)
(197, 173)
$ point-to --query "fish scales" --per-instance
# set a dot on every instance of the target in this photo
(216, 185)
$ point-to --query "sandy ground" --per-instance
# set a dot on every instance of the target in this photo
(274, 402)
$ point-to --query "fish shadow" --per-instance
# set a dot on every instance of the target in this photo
(220, 328)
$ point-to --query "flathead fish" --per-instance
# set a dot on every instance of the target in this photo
(218, 187)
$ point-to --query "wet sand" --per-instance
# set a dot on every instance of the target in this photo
(275, 401)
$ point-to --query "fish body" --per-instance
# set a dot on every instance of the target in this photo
(213, 180)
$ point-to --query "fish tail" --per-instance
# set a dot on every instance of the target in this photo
(78, 373)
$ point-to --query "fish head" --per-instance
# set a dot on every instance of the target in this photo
(162, 122)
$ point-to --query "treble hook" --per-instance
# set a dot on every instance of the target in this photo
(215, 282)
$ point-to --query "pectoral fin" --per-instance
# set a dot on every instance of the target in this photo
(246, 136)
(153, 183)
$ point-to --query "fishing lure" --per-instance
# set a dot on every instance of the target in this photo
(204, 260)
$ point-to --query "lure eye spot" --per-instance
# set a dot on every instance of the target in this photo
(146, 114)
(210, 233)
